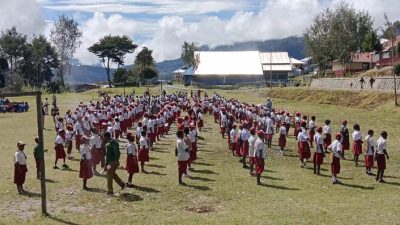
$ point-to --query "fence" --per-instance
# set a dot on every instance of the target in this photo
(260, 84)
(381, 83)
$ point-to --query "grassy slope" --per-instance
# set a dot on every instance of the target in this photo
(292, 195)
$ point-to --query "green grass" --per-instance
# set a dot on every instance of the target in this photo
(291, 195)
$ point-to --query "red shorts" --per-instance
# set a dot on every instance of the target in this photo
(335, 165)
(132, 165)
(85, 170)
(381, 161)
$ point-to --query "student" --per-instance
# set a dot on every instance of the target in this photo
(311, 132)
(319, 154)
(260, 155)
(97, 151)
(336, 153)
(182, 155)
(381, 156)
(245, 135)
(223, 124)
(269, 127)
(78, 132)
(252, 152)
(357, 143)
(20, 168)
(297, 121)
(193, 151)
(112, 163)
(288, 122)
(327, 134)
(39, 156)
(59, 147)
(117, 128)
(303, 145)
(85, 170)
(132, 165)
(68, 141)
(143, 151)
(345, 140)
(233, 139)
(369, 146)
(282, 138)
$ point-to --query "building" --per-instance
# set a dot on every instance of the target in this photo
(383, 58)
(178, 74)
(226, 68)
(276, 66)
(359, 62)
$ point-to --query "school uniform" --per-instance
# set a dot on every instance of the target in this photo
(245, 135)
(182, 156)
(143, 150)
(380, 155)
(269, 127)
(370, 151)
(68, 141)
(78, 134)
(311, 132)
(232, 140)
(345, 140)
(85, 170)
(252, 151)
(59, 147)
(260, 155)
(97, 152)
(117, 129)
(357, 143)
(303, 146)
(336, 149)
(318, 158)
(282, 137)
(20, 168)
(327, 132)
(131, 165)
(193, 152)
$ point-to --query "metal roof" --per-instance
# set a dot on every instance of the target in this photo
(274, 58)
(296, 61)
(285, 67)
(229, 63)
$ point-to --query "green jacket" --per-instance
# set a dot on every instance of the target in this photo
(38, 152)
(113, 153)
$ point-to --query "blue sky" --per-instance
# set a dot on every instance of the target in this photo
(163, 25)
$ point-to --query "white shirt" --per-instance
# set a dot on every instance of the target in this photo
(117, 126)
(252, 142)
(381, 145)
(95, 141)
(259, 148)
(282, 130)
(78, 128)
(356, 135)
(85, 150)
(370, 145)
(182, 154)
(245, 134)
(20, 157)
(143, 142)
(319, 141)
(69, 135)
(131, 149)
(311, 124)
(59, 140)
(269, 125)
(336, 148)
(232, 135)
(327, 130)
(192, 137)
(302, 136)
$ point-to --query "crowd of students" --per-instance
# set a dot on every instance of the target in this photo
(7, 106)
(97, 127)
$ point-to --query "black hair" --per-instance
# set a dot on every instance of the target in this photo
(143, 133)
(356, 127)
(370, 132)
(327, 122)
(179, 134)
(384, 134)
(186, 130)
(313, 117)
(107, 134)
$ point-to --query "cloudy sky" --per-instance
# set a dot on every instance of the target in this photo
(163, 25)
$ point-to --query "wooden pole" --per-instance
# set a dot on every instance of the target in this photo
(41, 143)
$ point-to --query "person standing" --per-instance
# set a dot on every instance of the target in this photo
(303, 145)
(143, 150)
(381, 156)
(182, 155)
(369, 146)
(20, 168)
(59, 147)
(252, 153)
(132, 165)
(39, 156)
(319, 154)
(282, 138)
(85, 170)
(345, 140)
(112, 163)
(336, 153)
(327, 134)
(260, 155)
(357, 143)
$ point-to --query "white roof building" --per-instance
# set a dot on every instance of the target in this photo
(275, 61)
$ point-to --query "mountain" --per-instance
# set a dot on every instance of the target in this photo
(293, 45)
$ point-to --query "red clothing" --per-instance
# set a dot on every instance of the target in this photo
(20, 174)
(335, 166)
(245, 148)
(282, 140)
(304, 151)
(369, 161)
(60, 152)
(260, 165)
(143, 155)
(132, 165)
(381, 161)
(318, 158)
(182, 167)
(357, 147)
(85, 171)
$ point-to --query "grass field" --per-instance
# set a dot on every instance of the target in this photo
(220, 191)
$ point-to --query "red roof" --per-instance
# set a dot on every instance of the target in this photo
(362, 57)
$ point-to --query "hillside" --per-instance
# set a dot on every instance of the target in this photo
(293, 45)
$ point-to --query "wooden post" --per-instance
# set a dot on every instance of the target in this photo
(41, 143)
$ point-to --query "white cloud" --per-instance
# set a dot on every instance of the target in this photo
(26, 15)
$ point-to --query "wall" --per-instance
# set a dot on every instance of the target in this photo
(381, 83)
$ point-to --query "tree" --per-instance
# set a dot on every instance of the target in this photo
(3, 70)
(372, 42)
(145, 66)
(337, 32)
(395, 28)
(120, 75)
(39, 60)
(112, 49)
(65, 35)
(12, 47)
(397, 69)
(187, 54)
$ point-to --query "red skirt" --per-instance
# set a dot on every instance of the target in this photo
(200, 123)
(268, 136)
(20, 174)
(193, 152)
(318, 158)
(252, 160)
(182, 167)
(222, 130)
(335, 165)
(245, 148)
(369, 161)
(132, 165)
(357, 147)
(304, 152)
(282, 140)
(381, 161)
(311, 133)
(85, 171)
(152, 137)
(296, 129)
(97, 155)
(77, 141)
(327, 140)
(143, 155)
(260, 165)
(346, 145)
(60, 153)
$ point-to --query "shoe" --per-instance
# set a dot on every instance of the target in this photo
(130, 185)
(56, 167)
(110, 193)
(96, 173)
(182, 184)
(382, 181)
(65, 166)
(123, 186)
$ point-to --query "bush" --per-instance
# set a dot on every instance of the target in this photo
(397, 69)
(55, 87)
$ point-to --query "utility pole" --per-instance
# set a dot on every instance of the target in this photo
(41, 143)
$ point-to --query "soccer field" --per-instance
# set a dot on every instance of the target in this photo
(220, 191)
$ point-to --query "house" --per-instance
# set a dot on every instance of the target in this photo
(383, 58)
(225, 68)
(276, 66)
(178, 74)
(358, 62)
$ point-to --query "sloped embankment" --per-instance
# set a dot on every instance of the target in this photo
(367, 100)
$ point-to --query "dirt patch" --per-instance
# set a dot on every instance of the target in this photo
(367, 100)
(202, 204)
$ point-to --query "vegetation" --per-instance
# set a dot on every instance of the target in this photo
(187, 54)
(372, 42)
(397, 69)
(112, 49)
(65, 36)
(144, 66)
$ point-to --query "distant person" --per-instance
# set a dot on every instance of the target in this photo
(362, 81)
(260, 155)
(381, 156)
(269, 105)
(357, 143)
(345, 140)
(371, 82)
(336, 153)
(182, 155)
(20, 167)
(85, 170)
(46, 107)
(351, 85)
(369, 147)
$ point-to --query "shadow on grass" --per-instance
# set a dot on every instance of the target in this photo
(69, 170)
(130, 197)
(155, 166)
(31, 194)
(96, 190)
(146, 189)
(50, 181)
(154, 158)
(198, 187)
(160, 151)
(271, 178)
(74, 160)
(203, 164)
(312, 168)
(356, 186)
(156, 173)
(201, 179)
(392, 183)
(61, 221)
(205, 171)
(279, 187)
